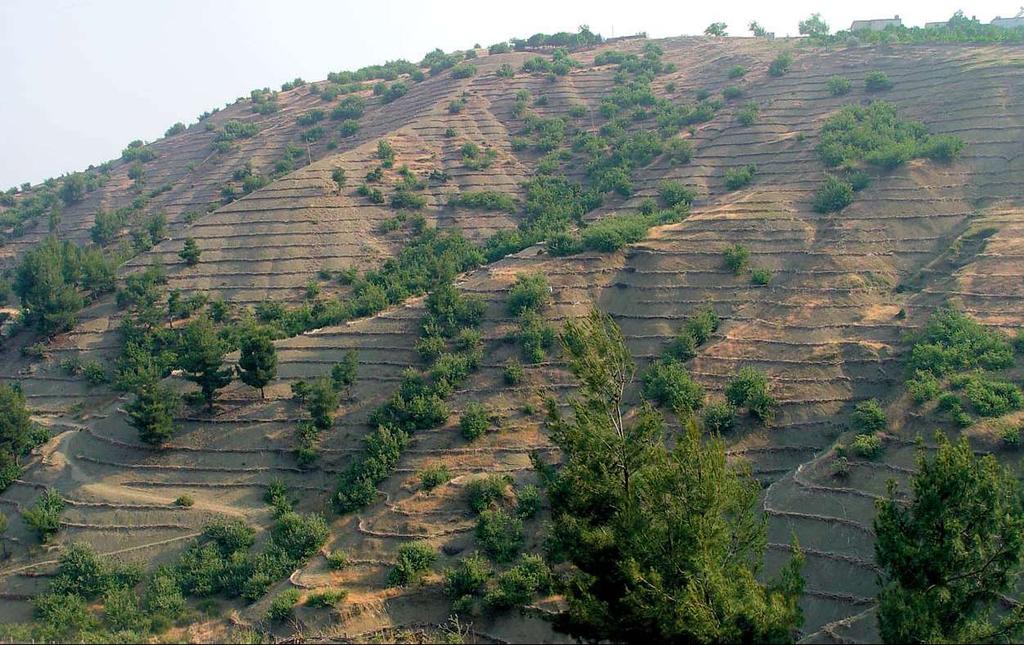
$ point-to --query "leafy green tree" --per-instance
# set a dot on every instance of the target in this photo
(43, 517)
(201, 355)
(814, 27)
(190, 252)
(664, 544)
(46, 284)
(18, 434)
(321, 402)
(716, 29)
(257, 361)
(152, 412)
(951, 554)
(343, 374)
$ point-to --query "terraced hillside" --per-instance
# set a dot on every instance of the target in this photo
(829, 328)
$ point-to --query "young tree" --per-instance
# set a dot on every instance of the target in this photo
(201, 355)
(757, 30)
(654, 533)
(257, 363)
(152, 412)
(814, 27)
(45, 284)
(190, 252)
(322, 402)
(343, 374)
(17, 433)
(716, 29)
(3, 542)
(951, 554)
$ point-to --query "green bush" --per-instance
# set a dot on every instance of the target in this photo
(868, 417)
(832, 195)
(732, 92)
(673, 193)
(736, 178)
(923, 387)
(487, 491)
(749, 388)
(463, 70)
(679, 151)
(737, 258)
(468, 577)
(337, 560)
(487, 200)
(667, 383)
(326, 599)
(781, 64)
(737, 71)
(434, 475)
(513, 372)
(283, 606)
(530, 292)
(952, 341)
(868, 446)
(43, 517)
(412, 564)
(499, 534)
(748, 113)
(760, 276)
(535, 336)
(475, 421)
(877, 82)
(718, 417)
(516, 587)
(838, 86)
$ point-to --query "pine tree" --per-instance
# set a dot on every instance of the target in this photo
(257, 364)
(951, 554)
(201, 356)
(321, 403)
(152, 412)
(665, 544)
(190, 252)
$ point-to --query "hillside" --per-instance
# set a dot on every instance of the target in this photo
(830, 327)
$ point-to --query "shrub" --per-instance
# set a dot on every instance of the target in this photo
(877, 82)
(838, 86)
(517, 586)
(299, 535)
(868, 417)
(283, 606)
(43, 517)
(718, 417)
(177, 128)
(736, 178)
(731, 92)
(832, 195)
(760, 276)
(487, 491)
(667, 383)
(413, 562)
(702, 324)
(394, 92)
(513, 372)
(535, 336)
(943, 148)
(749, 388)
(468, 577)
(737, 71)
(528, 501)
(748, 114)
(952, 341)
(499, 534)
(434, 475)
(673, 193)
(185, 501)
(475, 421)
(348, 128)
(868, 446)
(463, 70)
(337, 559)
(326, 599)
(736, 258)
(487, 200)
(781, 64)
(1011, 436)
(988, 397)
(611, 233)
(923, 387)
(528, 293)
(679, 151)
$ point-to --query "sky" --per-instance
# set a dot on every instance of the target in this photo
(82, 78)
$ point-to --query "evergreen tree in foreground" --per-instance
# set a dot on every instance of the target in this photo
(666, 544)
(201, 354)
(257, 363)
(152, 412)
(952, 552)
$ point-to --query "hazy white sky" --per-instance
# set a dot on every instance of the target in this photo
(81, 78)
